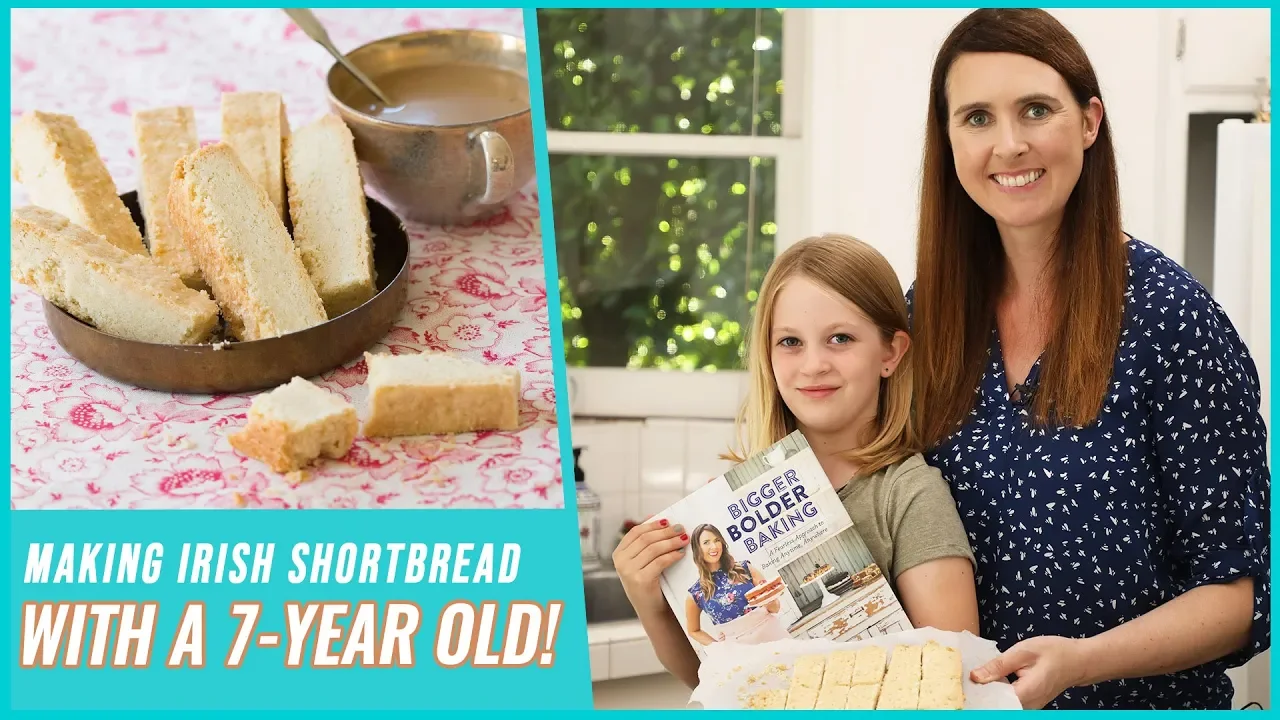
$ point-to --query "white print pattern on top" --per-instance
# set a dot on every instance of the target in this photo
(1078, 530)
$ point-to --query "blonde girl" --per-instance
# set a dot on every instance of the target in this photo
(829, 355)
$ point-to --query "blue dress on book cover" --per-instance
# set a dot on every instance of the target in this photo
(729, 598)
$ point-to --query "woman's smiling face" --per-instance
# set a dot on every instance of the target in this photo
(1017, 136)
(711, 548)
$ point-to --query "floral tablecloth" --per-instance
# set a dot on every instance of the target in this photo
(80, 440)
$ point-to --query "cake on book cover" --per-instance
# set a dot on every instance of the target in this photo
(774, 555)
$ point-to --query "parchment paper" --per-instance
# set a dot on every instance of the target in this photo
(731, 672)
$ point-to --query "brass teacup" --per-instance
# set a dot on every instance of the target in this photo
(437, 174)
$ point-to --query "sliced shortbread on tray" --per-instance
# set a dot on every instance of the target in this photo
(802, 698)
(900, 689)
(839, 670)
(164, 136)
(58, 163)
(941, 678)
(870, 665)
(808, 671)
(255, 124)
(330, 218)
(862, 697)
(242, 247)
(120, 293)
(831, 697)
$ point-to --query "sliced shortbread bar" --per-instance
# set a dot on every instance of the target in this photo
(941, 685)
(869, 666)
(862, 697)
(330, 218)
(767, 700)
(901, 687)
(836, 679)
(438, 394)
(941, 695)
(120, 293)
(295, 424)
(808, 671)
(831, 697)
(255, 124)
(164, 136)
(58, 163)
(242, 247)
(839, 671)
(802, 698)
(940, 661)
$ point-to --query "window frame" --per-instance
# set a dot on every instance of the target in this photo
(598, 392)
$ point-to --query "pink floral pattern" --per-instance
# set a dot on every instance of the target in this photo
(85, 441)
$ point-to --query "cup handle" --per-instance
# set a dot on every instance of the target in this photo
(499, 167)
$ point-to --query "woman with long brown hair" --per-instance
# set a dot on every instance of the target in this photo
(1092, 408)
(720, 594)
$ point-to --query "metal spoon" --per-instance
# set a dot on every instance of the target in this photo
(307, 21)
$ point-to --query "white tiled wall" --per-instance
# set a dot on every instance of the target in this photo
(640, 467)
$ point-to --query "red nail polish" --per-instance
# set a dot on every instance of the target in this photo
(663, 523)
(684, 537)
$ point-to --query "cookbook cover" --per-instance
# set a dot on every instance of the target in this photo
(773, 555)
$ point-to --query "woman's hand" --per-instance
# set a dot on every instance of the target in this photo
(645, 551)
(1045, 666)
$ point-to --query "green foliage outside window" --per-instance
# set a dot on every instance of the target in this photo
(660, 257)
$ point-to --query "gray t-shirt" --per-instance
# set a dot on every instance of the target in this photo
(906, 516)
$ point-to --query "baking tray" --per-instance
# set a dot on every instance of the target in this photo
(235, 367)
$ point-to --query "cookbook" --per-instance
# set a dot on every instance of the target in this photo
(773, 555)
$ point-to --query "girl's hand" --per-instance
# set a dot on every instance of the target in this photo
(1045, 666)
(645, 551)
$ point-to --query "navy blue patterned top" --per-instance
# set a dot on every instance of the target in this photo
(1076, 531)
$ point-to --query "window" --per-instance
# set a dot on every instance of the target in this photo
(674, 140)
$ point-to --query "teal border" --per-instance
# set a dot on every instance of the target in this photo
(555, 322)
(561, 528)
(551, 264)
(552, 275)
(10, 643)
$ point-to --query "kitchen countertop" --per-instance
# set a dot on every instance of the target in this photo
(626, 672)
(80, 440)
(617, 631)
(645, 692)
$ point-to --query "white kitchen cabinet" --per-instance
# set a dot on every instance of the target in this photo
(599, 655)
(1224, 50)
(646, 692)
(633, 658)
